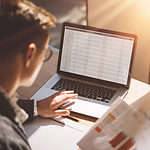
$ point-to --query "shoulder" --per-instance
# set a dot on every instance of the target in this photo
(11, 137)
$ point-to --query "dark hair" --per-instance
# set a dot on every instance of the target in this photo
(21, 23)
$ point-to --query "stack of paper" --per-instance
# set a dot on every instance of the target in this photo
(122, 128)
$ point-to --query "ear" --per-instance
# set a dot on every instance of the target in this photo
(30, 54)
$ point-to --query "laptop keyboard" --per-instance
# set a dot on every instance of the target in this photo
(94, 92)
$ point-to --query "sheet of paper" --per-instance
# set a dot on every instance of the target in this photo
(122, 128)
(44, 134)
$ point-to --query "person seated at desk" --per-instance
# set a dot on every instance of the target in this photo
(24, 36)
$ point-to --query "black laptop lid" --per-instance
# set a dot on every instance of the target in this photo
(96, 54)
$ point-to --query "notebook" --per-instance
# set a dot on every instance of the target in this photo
(96, 64)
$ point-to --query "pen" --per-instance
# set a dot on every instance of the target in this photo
(58, 121)
(71, 118)
(63, 123)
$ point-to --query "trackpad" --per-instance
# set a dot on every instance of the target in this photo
(89, 108)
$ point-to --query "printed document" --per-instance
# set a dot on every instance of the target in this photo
(122, 128)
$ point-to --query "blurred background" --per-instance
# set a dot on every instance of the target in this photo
(74, 11)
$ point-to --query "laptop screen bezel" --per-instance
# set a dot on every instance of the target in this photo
(89, 28)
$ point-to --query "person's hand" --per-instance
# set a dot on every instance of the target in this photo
(51, 106)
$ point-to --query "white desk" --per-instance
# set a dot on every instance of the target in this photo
(45, 134)
(137, 89)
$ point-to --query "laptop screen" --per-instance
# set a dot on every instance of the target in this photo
(96, 54)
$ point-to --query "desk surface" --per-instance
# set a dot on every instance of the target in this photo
(137, 90)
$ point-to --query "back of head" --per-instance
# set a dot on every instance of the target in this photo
(22, 23)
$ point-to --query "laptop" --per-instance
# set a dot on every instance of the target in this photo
(96, 64)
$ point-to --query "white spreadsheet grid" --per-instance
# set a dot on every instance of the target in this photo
(97, 56)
